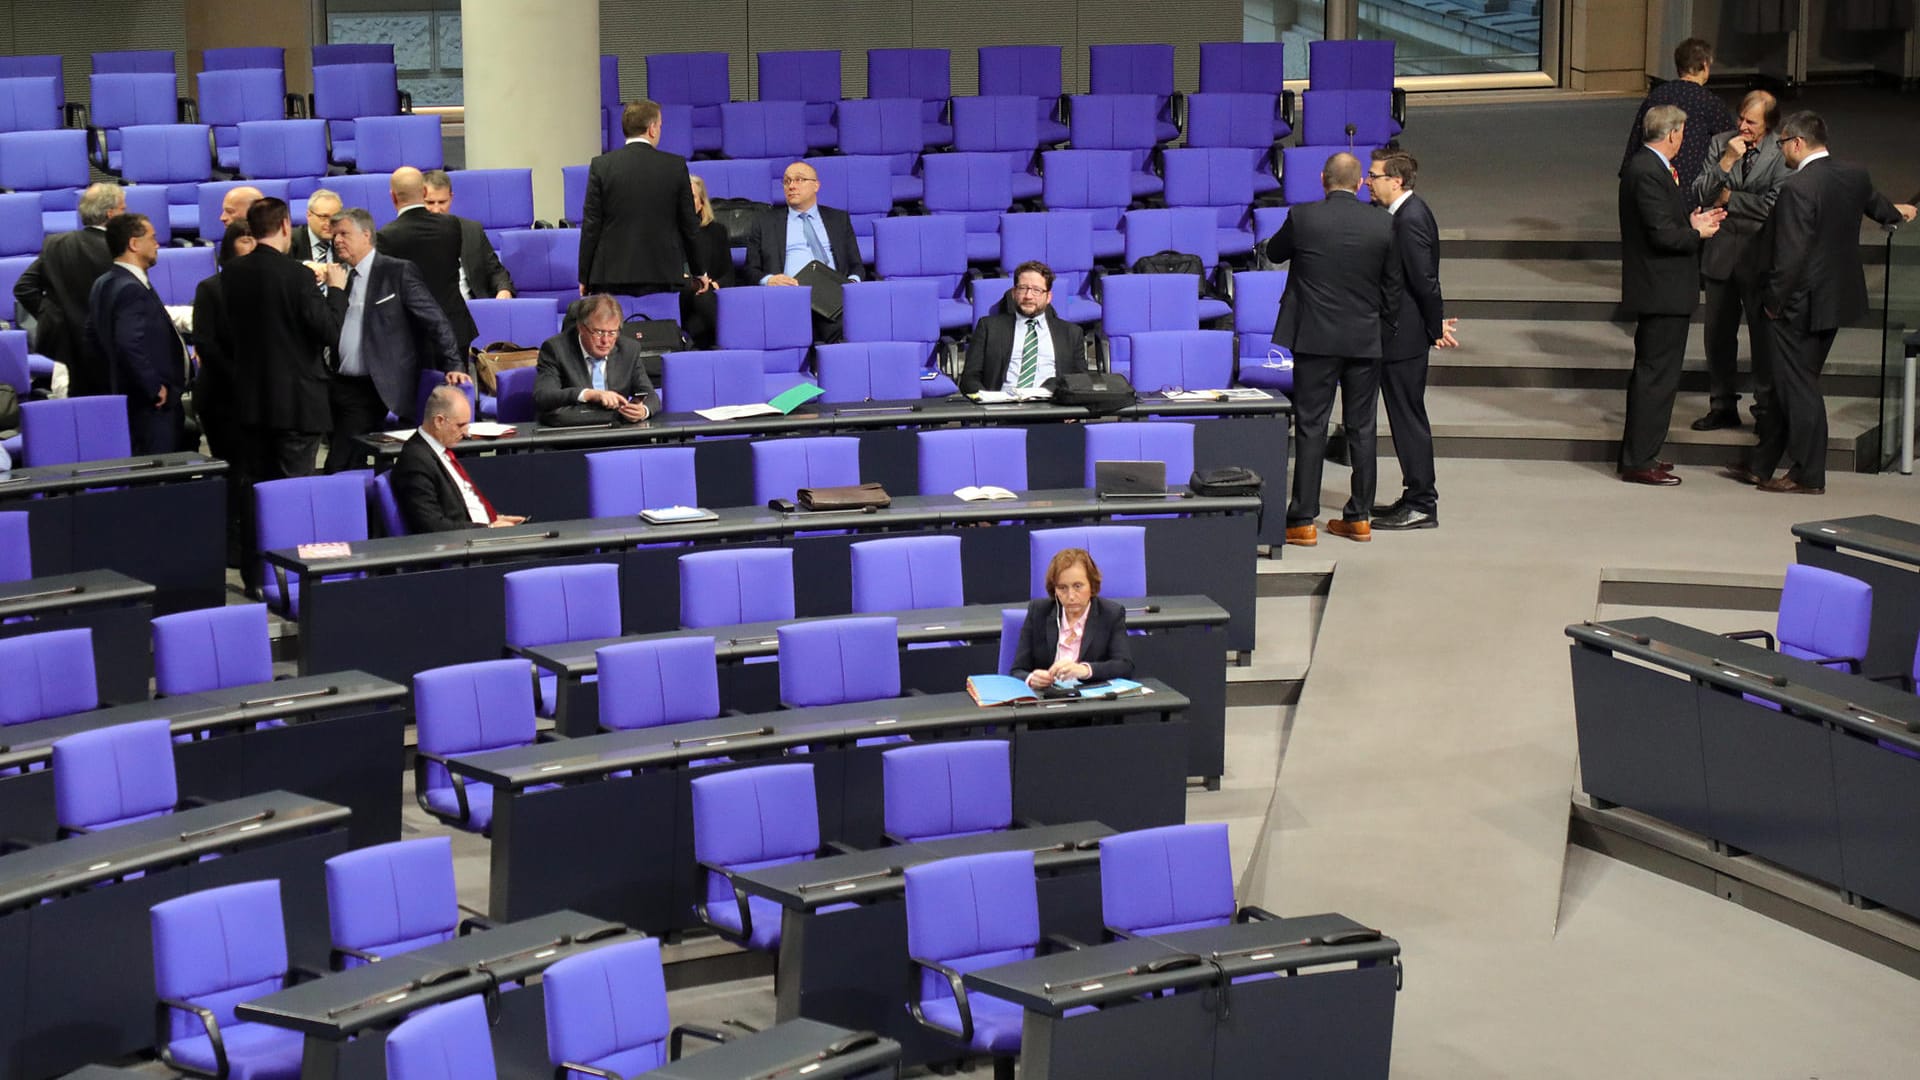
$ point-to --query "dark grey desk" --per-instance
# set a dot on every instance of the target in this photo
(345, 1016)
(1206, 551)
(161, 519)
(1121, 762)
(1884, 552)
(849, 967)
(1322, 1018)
(1183, 643)
(118, 609)
(540, 470)
(1818, 786)
(793, 1048)
(76, 970)
(343, 743)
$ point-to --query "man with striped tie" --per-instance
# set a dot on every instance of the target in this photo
(1024, 342)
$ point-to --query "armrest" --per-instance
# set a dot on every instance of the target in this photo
(97, 150)
(75, 115)
(965, 1034)
(476, 920)
(1063, 109)
(301, 973)
(336, 959)
(1286, 107)
(16, 843)
(699, 1031)
(296, 106)
(1750, 635)
(1852, 662)
(189, 110)
(1062, 943)
(66, 831)
(207, 1020)
(196, 800)
(745, 933)
(540, 224)
(839, 847)
(735, 712)
(1904, 682)
(548, 736)
(1400, 106)
(406, 102)
(916, 691)
(1102, 350)
(1177, 111)
(420, 760)
(1253, 914)
(562, 1071)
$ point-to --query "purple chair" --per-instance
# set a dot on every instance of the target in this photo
(180, 271)
(713, 377)
(525, 321)
(964, 914)
(1825, 617)
(666, 681)
(1030, 71)
(748, 819)
(947, 790)
(52, 163)
(774, 321)
(870, 370)
(453, 1041)
(1167, 442)
(551, 604)
(390, 899)
(1136, 69)
(113, 776)
(1012, 622)
(1001, 125)
(676, 129)
(1169, 879)
(65, 430)
(49, 674)
(887, 129)
(1357, 65)
(16, 546)
(927, 247)
(1120, 122)
(128, 100)
(611, 107)
(1216, 179)
(467, 709)
(382, 502)
(771, 131)
(573, 197)
(1345, 118)
(607, 1013)
(305, 510)
(211, 649)
(624, 482)
(175, 158)
(863, 187)
(971, 457)
(901, 311)
(1300, 168)
(696, 79)
(925, 75)
(290, 150)
(752, 178)
(343, 93)
(1120, 550)
(545, 263)
(1192, 231)
(1242, 122)
(1256, 306)
(1249, 67)
(1063, 239)
(1095, 181)
(229, 98)
(50, 71)
(782, 467)
(812, 77)
(499, 199)
(833, 661)
(977, 189)
(1189, 359)
(370, 192)
(352, 53)
(243, 57)
(907, 573)
(212, 950)
(730, 586)
(385, 143)
(30, 104)
(989, 296)
(21, 230)
(1132, 303)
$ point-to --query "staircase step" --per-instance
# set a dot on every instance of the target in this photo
(1561, 289)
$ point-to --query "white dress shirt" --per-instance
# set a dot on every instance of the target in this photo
(1394, 207)
(476, 512)
(1810, 159)
(351, 326)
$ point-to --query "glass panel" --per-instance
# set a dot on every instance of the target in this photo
(1456, 37)
(1902, 335)
(425, 35)
(1295, 22)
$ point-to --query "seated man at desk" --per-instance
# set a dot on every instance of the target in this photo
(1023, 343)
(1073, 632)
(433, 490)
(588, 373)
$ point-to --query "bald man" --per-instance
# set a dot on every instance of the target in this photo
(431, 242)
(237, 202)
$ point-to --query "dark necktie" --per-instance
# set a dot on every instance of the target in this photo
(492, 514)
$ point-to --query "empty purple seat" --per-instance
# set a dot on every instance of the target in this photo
(291, 150)
(343, 93)
(180, 271)
(975, 188)
(810, 76)
(925, 75)
(887, 129)
(543, 262)
(524, 321)
(499, 199)
(1031, 71)
(1001, 125)
(771, 131)
(1346, 118)
(52, 163)
(1216, 179)
(905, 310)
(1183, 359)
(126, 100)
(831, 661)
(1136, 69)
(30, 104)
(59, 431)
(951, 459)
(242, 57)
(621, 482)
(1119, 122)
(736, 585)
(1094, 181)
(784, 466)
(1247, 67)
(385, 143)
(352, 53)
(174, 157)
(870, 370)
(1256, 305)
(1357, 65)
(776, 321)
(1132, 303)
(49, 70)
(230, 98)
(1239, 121)
(929, 247)
(696, 79)
(712, 377)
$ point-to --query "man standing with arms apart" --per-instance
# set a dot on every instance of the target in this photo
(1743, 170)
(54, 289)
(1814, 286)
(1421, 325)
(1693, 59)
(1342, 299)
(481, 274)
(390, 331)
(1659, 286)
(431, 242)
(128, 328)
(638, 227)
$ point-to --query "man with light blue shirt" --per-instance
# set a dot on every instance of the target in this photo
(783, 242)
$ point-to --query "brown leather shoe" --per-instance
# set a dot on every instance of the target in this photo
(1741, 473)
(1361, 531)
(1650, 476)
(1786, 485)
(1303, 535)
(1663, 466)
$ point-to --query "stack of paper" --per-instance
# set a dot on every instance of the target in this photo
(486, 429)
(984, 491)
(1002, 397)
(737, 412)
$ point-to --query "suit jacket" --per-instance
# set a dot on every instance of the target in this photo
(402, 332)
(302, 246)
(279, 325)
(1753, 182)
(485, 275)
(638, 225)
(212, 348)
(716, 253)
(1659, 251)
(1814, 277)
(990, 349)
(128, 325)
(429, 500)
(1416, 240)
(767, 243)
(562, 372)
(1103, 645)
(431, 242)
(1707, 115)
(1343, 284)
(54, 290)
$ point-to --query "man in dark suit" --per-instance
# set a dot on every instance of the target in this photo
(1814, 286)
(280, 327)
(638, 225)
(588, 372)
(53, 290)
(433, 489)
(1023, 347)
(1743, 171)
(784, 240)
(1341, 303)
(431, 242)
(1420, 325)
(129, 328)
(313, 242)
(1659, 286)
(482, 277)
(390, 332)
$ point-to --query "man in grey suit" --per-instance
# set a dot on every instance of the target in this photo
(1742, 175)
(588, 373)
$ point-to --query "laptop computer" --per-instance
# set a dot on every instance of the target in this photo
(1130, 479)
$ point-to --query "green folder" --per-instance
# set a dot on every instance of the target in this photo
(796, 397)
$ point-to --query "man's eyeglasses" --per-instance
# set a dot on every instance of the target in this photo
(597, 333)
(1377, 176)
(1031, 290)
(796, 181)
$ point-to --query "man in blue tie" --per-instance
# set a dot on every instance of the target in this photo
(589, 373)
(784, 242)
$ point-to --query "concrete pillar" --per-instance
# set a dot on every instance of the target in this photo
(532, 78)
(1607, 45)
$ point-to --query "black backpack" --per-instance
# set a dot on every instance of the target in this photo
(656, 338)
(1170, 262)
(737, 215)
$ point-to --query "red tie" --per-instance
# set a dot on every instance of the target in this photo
(1674, 171)
(492, 514)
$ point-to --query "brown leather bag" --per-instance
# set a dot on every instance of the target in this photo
(855, 497)
(498, 357)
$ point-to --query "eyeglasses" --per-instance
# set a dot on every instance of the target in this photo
(1378, 176)
(796, 181)
(597, 333)
(1031, 290)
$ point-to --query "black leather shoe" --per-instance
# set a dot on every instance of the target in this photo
(1406, 517)
(1381, 510)
(1717, 419)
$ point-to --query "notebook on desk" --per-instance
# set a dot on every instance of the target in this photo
(1130, 479)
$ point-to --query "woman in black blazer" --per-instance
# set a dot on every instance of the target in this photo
(1094, 628)
(699, 312)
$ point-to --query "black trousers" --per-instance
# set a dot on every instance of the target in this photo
(1727, 302)
(357, 411)
(161, 430)
(1315, 378)
(1403, 390)
(1799, 430)
(287, 454)
(700, 316)
(1659, 346)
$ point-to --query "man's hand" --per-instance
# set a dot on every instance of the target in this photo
(707, 285)
(633, 411)
(606, 399)
(458, 378)
(1725, 196)
(781, 279)
(161, 401)
(1706, 222)
(335, 275)
(1446, 340)
(503, 294)
(1906, 210)
(505, 520)
(583, 288)
(1737, 148)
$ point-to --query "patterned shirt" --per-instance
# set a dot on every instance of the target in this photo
(1707, 116)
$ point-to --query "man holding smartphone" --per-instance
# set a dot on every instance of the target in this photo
(589, 374)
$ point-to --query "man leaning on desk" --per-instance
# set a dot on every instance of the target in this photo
(588, 373)
(1024, 343)
(1073, 632)
(433, 489)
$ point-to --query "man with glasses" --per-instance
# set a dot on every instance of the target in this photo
(313, 242)
(1814, 285)
(432, 487)
(588, 373)
(1023, 343)
(786, 240)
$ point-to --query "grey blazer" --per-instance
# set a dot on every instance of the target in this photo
(1754, 187)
